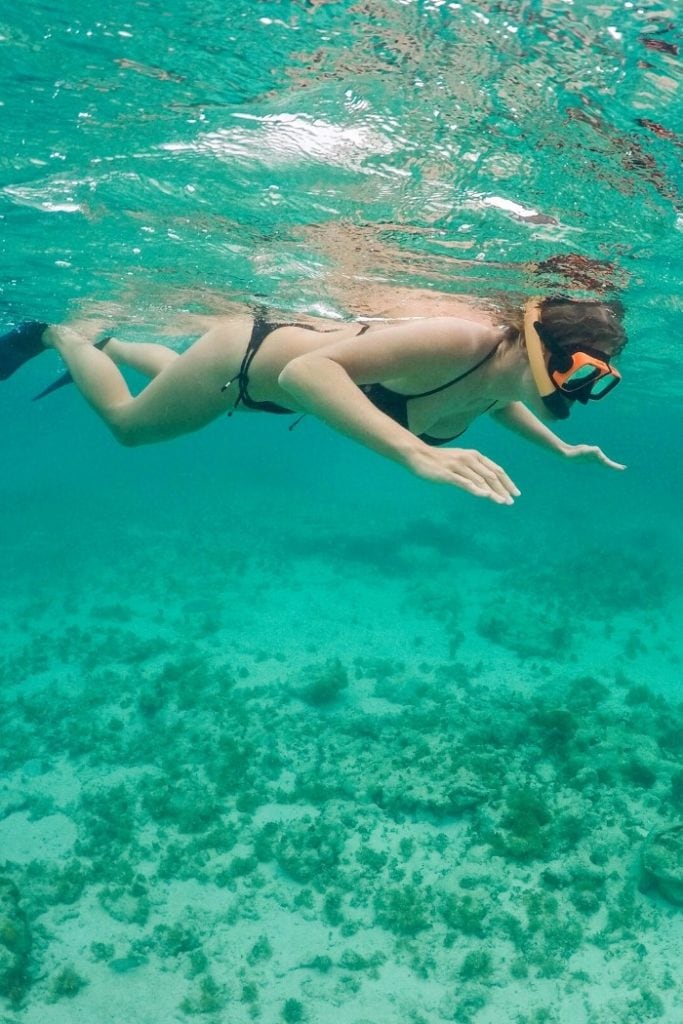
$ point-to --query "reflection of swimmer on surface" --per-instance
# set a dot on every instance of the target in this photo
(400, 387)
(360, 260)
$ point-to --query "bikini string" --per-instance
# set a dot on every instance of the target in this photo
(242, 374)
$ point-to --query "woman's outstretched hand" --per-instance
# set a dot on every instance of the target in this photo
(464, 468)
(590, 453)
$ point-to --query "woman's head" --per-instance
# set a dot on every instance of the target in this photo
(568, 323)
(570, 345)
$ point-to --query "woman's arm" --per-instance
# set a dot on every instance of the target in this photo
(516, 417)
(323, 387)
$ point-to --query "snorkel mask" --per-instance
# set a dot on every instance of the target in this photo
(574, 373)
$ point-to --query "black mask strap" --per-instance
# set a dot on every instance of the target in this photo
(557, 404)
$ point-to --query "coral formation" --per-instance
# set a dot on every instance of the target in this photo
(66, 984)
(326, 684)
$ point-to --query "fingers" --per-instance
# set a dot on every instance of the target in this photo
(472, 487)
(608, 462)
(597, 453)
(497, 478)
(480, 476)
(601, 457)
(469, 470)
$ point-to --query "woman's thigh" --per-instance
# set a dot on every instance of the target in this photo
(186, 395)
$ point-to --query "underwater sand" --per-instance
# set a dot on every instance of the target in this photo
(330, 773)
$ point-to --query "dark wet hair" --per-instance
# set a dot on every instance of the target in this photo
(575, 322)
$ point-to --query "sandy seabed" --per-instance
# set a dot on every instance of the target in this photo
(349, 776)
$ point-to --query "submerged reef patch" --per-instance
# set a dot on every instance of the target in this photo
(15, 944)
(325, 684)
(662, 863)
(476, 840)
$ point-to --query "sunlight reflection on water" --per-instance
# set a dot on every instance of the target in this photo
(463, 144)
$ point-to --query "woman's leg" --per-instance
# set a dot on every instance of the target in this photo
(147, 359)
(185, 395)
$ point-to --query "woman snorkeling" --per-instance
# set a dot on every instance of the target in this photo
(403, 388)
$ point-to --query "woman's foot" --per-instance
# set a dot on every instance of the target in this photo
(19, 345)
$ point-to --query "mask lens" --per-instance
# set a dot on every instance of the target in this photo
(589, 382)
(583, 375)
(603, 385)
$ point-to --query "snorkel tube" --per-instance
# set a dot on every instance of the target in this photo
(554, 401)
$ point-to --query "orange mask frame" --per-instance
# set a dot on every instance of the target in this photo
(554, 381)
(579, 360)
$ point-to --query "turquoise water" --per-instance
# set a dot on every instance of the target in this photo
(286, 734)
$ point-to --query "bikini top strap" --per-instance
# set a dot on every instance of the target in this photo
(448, 384)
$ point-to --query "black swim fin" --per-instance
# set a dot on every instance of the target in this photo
(65, 378)
(19, 345)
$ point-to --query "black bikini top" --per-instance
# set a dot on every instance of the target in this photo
(392, 403)
(395, 404)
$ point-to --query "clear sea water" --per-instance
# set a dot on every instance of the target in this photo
(286, 735)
